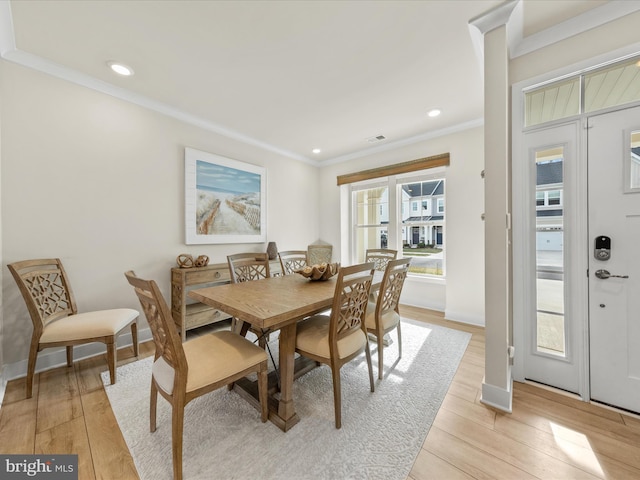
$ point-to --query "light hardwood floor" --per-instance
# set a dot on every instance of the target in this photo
(548, 435)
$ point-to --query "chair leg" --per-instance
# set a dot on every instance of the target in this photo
(337, 395)
(111, 359)
(399, 341)
(31, 366)
(134, 337)
(380, 340)
(368, 355)
(263, 392)
(69, 355)
(176, 435)
(153, 404)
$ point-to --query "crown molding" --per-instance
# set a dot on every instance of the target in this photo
(56, 70)
(588, 20)
(7, 35)
(9, 52)
(479, 122)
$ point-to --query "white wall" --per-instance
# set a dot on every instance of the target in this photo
(463, 297)
(99, 183)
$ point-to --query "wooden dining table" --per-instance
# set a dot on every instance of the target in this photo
(275, 303)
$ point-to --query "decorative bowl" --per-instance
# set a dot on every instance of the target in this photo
(322, 271)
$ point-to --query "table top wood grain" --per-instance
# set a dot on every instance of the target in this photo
(271, 302)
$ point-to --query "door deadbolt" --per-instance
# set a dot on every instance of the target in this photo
(604, 274)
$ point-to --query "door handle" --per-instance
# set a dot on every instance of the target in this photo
(604, 274)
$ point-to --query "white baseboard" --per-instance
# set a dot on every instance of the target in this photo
(52, 358)
(498, 397)
(475, 320)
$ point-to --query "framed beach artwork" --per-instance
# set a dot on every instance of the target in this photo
(225, 200)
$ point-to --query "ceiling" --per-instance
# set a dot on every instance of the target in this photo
(289, 76)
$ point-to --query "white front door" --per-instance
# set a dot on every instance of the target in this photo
(614, 282)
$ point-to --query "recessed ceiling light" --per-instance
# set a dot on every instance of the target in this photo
(434, 113)
(120, 68)
(316, 150)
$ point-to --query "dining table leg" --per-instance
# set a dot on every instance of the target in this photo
(286, 416)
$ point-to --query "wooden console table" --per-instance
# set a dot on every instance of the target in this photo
(189, 314)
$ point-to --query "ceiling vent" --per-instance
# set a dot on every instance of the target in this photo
(375, 139)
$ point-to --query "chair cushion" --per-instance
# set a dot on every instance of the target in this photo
(312, 336)
(100, 323)
(211, 358)
(389, 319)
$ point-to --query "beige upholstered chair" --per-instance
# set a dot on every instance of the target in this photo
(184, 371)
(380, 257)
(52, 306)
(292, 260)
(383, 315)
(341, 337)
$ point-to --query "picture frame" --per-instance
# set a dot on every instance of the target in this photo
(225, 200)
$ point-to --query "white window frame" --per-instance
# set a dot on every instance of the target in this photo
(396, 211)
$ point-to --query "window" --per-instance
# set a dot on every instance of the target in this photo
(600, 88)
(402, 221)
(371, 214)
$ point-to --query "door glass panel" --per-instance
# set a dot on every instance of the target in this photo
(549, 228)
(634, 163)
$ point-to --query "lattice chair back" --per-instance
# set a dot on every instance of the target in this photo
(45, 289)
(292, 260)
(391, 286)
(165, 334)
(350, 301)
(245, 267)
(317, 254)
(380, 257)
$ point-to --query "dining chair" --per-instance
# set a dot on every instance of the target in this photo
(383, 315)
(46, 290)
(380, 257)
(182, 372)
(336, 339)
(292, 260)
(246, 267)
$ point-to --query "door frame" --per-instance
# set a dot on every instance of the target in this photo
(520, 231)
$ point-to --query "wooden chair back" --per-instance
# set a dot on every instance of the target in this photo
(292, 260)
(45, 288)
(349, 302)
(317, 254)
(163, 329)
(245, 267)
(391, 286)
(380, 257)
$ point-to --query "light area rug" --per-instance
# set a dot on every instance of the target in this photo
(381, 433)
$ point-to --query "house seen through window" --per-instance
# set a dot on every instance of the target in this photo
(411, 220)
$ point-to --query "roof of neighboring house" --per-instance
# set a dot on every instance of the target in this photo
(636, 151)
(549, 213)
(421, 189)
(549, 173)
(426, 218)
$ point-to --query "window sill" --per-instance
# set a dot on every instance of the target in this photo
(433, 280)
